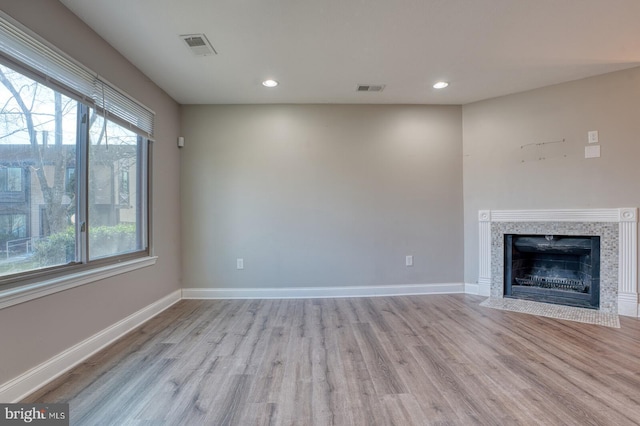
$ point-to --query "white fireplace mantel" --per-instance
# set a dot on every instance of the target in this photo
(627, 218)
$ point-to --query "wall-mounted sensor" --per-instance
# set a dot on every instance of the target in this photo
(180, 142)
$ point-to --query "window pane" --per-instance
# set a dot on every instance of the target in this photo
(116, 208)
(13, 225)
(14, 179)
(37, 145)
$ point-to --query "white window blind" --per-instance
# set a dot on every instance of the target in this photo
(20, 45)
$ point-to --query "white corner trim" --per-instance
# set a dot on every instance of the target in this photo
(484, 215)
(32, 380)
(321, 292)
(28, 292)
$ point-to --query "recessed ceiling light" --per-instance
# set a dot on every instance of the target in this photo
(440, 85)
(269, 83)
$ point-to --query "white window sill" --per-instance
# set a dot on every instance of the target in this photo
(28, 292)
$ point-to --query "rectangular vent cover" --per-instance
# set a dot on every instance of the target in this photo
(370, 87)
(198, 44)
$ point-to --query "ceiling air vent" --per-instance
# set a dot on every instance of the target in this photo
(370, 88)
(198, 44)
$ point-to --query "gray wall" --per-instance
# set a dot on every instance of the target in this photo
(325, 195)
(321, 195)
(500, 174)
(35, 331)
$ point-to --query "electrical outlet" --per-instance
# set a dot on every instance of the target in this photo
(592, 151)
(240, 263)
(408, 261)
(593, 136)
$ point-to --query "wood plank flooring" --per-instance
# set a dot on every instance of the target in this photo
(419, 360)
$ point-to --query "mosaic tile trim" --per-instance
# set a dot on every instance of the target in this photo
(588, 316)
(609, 241)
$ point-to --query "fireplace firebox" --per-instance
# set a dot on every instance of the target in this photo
(560, 269)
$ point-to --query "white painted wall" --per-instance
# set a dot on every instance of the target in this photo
(321, 195)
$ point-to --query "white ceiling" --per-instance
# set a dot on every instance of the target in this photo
(319, 50)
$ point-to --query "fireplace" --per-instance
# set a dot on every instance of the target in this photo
(616, 228)
(560, 269)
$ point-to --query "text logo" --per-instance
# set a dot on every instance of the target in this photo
(34, 414)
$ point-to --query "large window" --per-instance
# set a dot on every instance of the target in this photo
(74, 155)
(73, 184)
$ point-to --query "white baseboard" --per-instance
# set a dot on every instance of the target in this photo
(30, 381)
(321, 292)
(471, 288)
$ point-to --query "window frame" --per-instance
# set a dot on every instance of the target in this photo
(4, 180)
(19, 287)
(16, 196)
(12, 216)
(82, 237)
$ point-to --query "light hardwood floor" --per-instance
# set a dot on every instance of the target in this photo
(416, 360)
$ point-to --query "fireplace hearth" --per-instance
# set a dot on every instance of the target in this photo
(560, 269)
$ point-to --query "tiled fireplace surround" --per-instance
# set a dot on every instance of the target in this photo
(618, 231)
